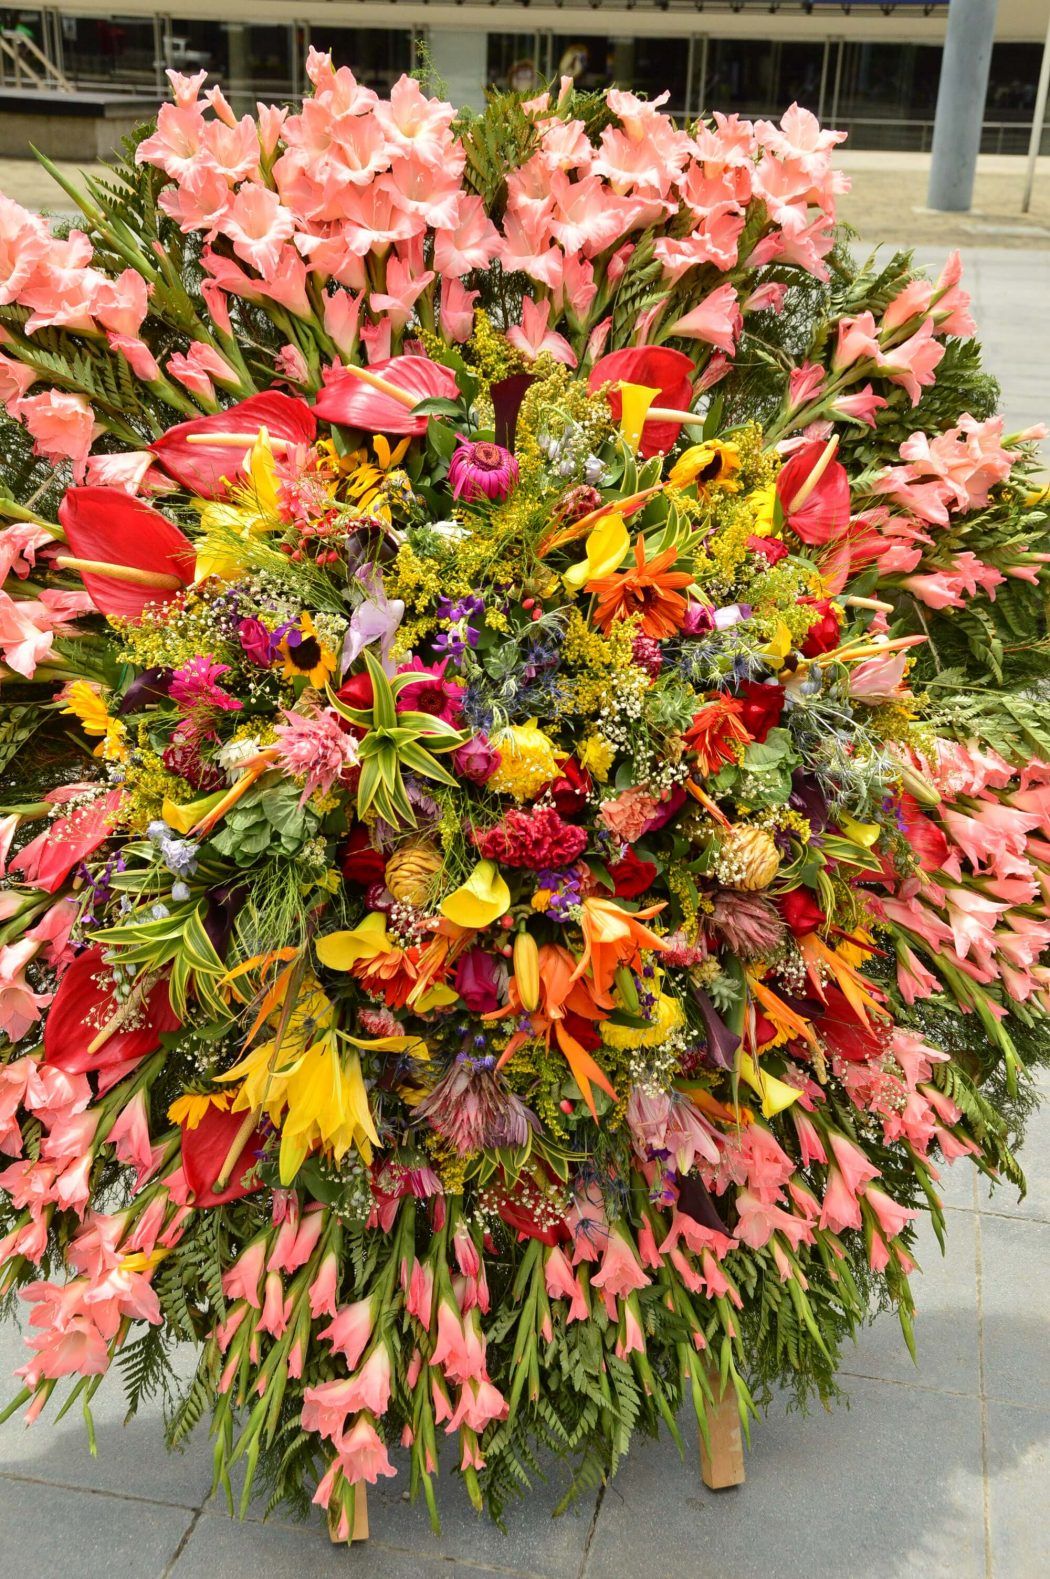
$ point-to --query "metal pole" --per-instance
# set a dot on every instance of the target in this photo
(823, 79)
(960, 104)
(1038, 120)
(701, 92)
(690, 66)
(838, 82)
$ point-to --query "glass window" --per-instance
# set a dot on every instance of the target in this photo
(1012, 83)
(645, 65)
(107, 51)
(513, 62)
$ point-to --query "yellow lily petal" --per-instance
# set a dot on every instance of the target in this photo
(776, 1094)
(636, 399)
(779, 644)
(343, 950)
(436, 997)
(604, 549)
(482, 899)
(392, 1044)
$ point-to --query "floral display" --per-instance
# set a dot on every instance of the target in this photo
(527, 809)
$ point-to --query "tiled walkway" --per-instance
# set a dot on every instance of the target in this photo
(939, 1470)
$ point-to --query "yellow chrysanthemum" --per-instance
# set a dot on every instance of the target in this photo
(762, 504)
(668, 1017)
(596, 755)
(528, 760)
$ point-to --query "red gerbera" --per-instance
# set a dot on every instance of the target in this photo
(715, 732)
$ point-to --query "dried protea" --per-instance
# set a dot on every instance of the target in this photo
(472, 1108)
(748, 924)
(748, 859)
(410, 871)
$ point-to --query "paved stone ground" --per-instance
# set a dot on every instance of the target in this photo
(935, 1470)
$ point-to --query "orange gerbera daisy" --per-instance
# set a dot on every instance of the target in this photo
(714, 733)
(648, 588)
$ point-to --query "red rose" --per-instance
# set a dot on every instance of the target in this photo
(362, 864)
(801, 911)
(762, 707)
(823, 634)
(632, 876)
(570, 790)
(357, 691)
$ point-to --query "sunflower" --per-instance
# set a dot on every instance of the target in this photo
(302, 655)
(649, 588)
(712, 466)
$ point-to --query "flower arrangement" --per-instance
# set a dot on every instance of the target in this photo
(535, 847)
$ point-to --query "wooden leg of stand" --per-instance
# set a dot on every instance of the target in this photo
(723, 1465)
(360, 1517)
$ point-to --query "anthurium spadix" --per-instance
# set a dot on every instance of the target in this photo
(208, 453)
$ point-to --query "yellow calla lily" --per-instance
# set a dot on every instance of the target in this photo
(636, 400)
(183, 818)
(779, 644)
(604, 549)
(482, 899)
(776, 1095)
(343, 950)
(439, 996)
(865, 834)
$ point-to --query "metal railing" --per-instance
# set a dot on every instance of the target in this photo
(22, 59)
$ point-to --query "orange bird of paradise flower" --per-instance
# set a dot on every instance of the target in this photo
(649, 588)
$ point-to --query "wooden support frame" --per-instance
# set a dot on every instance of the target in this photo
(722, 1464)
(360, 1530)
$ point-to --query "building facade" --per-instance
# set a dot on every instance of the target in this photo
(869, 66)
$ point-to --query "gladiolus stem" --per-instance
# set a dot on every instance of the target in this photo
(815, 475)
(383, 386)
(161, 579)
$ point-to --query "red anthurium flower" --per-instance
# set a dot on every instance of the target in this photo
(46, 861)
(205, 1153)
(823, 513)
(108, 525)
(658, 367)
(823, 634)
(204, 469)
(85, 1004)
(352, 403)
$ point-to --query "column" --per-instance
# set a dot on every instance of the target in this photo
(460, 61)
(960, 103)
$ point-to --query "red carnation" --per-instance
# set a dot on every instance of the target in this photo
(761, 708)
(362, 864)
(801, 911)
(537, 839)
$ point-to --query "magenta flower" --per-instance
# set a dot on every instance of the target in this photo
(481, 981)
(482, 471)
(432, 693)
(196, 684)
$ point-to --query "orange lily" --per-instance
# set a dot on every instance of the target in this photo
(852, 984)
(561, 993)
(613, 937)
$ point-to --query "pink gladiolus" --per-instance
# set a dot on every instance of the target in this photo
(858, 340)
(20, 1005)
(24, 243)
(620, 1272)
(717, 320)
(362, 1455)
(350, 1330)
(457, 310)
(479, 1404)
(891, 1216)
(840, 1209)
(562, 1283)
(130, 1138)
(861, 406)
(243, 1278)
(460, 1347)
(324, 1289)
(913, 363)
(532, 336)
(759, 1220)
(63, 427)
(276, 1309)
